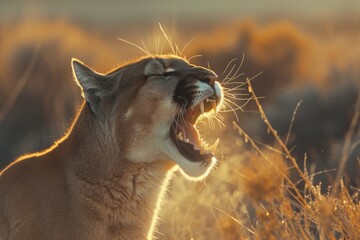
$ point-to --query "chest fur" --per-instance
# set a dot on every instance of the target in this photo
(123, 206)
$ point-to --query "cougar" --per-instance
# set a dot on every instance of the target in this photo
(105, 178)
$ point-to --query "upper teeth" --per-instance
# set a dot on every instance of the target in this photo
(202, 105)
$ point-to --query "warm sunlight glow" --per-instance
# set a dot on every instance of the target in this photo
(285, 134)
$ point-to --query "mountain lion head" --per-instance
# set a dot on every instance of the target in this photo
(149, 109)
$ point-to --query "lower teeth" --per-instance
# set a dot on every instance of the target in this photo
(180, 136)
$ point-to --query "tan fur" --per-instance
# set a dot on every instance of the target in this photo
(103, 179)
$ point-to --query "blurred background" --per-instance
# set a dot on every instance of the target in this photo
(304, 52)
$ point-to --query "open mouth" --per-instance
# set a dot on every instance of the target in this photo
(187, 138)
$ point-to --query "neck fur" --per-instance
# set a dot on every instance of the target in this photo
(122, 196)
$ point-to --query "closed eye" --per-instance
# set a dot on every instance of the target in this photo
(165, 74)
(170, 73)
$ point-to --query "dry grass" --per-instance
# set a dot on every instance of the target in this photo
(254, 193)
(252, 196)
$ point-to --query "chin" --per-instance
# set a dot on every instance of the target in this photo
(197, 171)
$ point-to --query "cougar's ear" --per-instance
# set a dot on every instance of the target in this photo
(94, 85)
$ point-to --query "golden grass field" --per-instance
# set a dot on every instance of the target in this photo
(282, 174)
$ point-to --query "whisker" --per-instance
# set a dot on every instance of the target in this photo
(182, 111)
(234, 59)
(235, 82)
(241, 63)
(157, 45)
(237, 105)
(236, 95)
(241, 84)
(230, 80)
(211, 123)
(167, 38)
(145, 49)
(249, 99)
(227, 76)
(236, 72)
(232, 103)
(239, 92)
(199, 124)
(231, 108)
(237, 88)
(226, 104)
(236, 98)
(133, 44)
(219, 119)
(178, 52)
(149, 53)
(234, 90)
(182, 114)
(184, 48)
(212, 119)
(192, 57)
